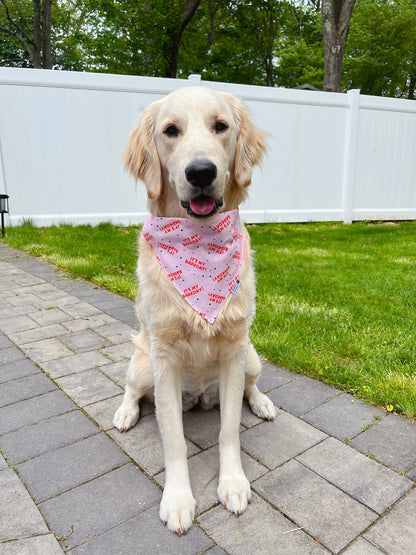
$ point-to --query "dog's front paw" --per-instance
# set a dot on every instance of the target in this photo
(126, 416)
(262, 406)
(234, 493)
(177, 510)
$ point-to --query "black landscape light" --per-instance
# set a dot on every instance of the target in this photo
(4, 209)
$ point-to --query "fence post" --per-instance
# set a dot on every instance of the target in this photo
(194, 80)
(350, 151)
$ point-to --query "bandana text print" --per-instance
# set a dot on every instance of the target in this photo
(201, 259)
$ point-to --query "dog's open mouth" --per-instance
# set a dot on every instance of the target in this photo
(203, 206)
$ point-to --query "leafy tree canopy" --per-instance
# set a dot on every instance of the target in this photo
(275, 43)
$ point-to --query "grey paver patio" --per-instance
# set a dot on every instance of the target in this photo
(202, 427)
(36, 334)
(3, 463)
(36, 545)
(93, 322)
(145, 533)
(116, 371)
(271, 377)
(411, 473)
(17, 323)
(302, 395)
(117, 353)
(144, 444)
(288, 435)
(47, 349)
(5, 342)
(362, 547)
(10, 354)
(84, 340)
(102, 412)
(15, 502)
(265, 531)
(17, 369)
(343, 416)
(49, 316)
(81, 309)
(34, 440)
(73, 363)
(370, 483)
(66, 473)
(23, 388)
(63, 469)
(88, 387)
(392, 442)
(322, 510)
(31, 411)
(395, 532)
(115, 333)
(74, 514)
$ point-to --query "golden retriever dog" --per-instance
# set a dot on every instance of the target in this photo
(195, 150)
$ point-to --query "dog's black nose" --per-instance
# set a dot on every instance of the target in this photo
(201, 173)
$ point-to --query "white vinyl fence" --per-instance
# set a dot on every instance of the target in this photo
(330, 156)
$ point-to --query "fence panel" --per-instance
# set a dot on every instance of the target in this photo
(385, 176)
(330, 156)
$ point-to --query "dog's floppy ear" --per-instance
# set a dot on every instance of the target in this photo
(140, 157)
(250, 143)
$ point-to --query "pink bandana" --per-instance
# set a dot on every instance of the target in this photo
(201, 259)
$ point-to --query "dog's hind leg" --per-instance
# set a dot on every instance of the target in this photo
(139, 381)
(259, 403)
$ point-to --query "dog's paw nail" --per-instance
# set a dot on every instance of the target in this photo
(224, 506)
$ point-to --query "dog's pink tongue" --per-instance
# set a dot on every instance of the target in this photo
(202, 205)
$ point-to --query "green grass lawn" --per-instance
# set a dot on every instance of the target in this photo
(335, 302)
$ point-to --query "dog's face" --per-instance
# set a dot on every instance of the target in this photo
(194, 150)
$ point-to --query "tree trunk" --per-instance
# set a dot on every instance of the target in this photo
(36, 53)
(412, 87)
(174, 31)
(333, 65)
(37, 46)
(172, 56)
(336, 16)
(412, 79)
(46, 35)
(269, 72)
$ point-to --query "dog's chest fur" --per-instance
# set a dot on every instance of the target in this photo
(179, 332)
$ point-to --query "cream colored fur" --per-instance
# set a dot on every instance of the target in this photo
(177, 350)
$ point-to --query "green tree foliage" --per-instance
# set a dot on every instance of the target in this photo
(380, 56)
(265, 43)
(218, 47)
(137, 38)
(48, 39)
(16, 33)
(300, 51)
(275, 43)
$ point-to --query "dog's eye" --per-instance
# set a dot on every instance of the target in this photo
(220, 126)
(171, 131)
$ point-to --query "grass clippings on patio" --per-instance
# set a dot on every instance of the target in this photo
(335, 302)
